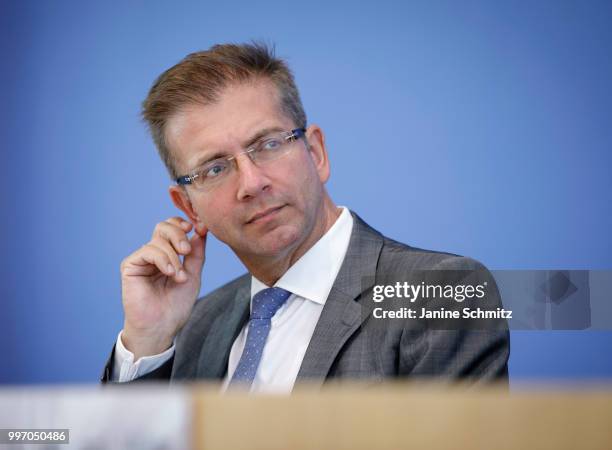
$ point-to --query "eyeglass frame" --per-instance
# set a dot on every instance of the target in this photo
(294, 135)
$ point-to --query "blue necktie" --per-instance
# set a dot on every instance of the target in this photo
(265, 304)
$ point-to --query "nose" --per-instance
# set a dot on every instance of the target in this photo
(251, 179)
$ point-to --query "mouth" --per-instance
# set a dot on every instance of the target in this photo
(261, 216)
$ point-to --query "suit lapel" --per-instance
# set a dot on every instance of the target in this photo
(215, 352)
(342, 314)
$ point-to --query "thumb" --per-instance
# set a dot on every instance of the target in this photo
(194, 261)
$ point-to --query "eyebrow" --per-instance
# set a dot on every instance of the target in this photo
(219, 154)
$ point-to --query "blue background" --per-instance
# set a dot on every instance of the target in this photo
(476, 127)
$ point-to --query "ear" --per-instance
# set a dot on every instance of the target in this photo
(181, 200)
(318, 151)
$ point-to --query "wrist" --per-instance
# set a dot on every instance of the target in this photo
(145, 344)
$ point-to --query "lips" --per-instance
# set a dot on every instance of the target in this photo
(264, 213)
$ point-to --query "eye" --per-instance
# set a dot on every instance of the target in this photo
(214, 170)
(271, 144)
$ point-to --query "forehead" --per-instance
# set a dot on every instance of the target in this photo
(224, 126)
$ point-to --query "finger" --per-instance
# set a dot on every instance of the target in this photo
(179, 275)
(170, 253)
(145, 258)
(201, 229)
(194, 261)
(180, 222)
(173, 234)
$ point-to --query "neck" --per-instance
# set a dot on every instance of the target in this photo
(269, 269)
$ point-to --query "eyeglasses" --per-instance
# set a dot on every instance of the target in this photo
(266, 149)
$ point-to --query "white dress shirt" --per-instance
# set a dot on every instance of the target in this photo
(310, 280)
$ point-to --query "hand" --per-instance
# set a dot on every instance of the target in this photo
(158, 290)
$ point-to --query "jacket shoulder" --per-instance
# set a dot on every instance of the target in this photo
(405, 257)
(217, 300)
(397, 257)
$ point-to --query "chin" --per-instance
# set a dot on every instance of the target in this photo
(277, 241)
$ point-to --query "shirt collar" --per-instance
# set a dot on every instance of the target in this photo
(313, 275)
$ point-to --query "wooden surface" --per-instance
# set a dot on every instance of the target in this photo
(405, 416)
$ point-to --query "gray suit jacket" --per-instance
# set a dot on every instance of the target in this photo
(347, 342)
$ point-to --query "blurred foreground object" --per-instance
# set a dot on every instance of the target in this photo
(347, 416)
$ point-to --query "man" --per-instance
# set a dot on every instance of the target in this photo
(230, 127)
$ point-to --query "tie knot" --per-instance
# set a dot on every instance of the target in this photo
(267, 302)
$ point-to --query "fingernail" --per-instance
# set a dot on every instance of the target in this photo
(185, 247)
(170, 269)
(181, 275)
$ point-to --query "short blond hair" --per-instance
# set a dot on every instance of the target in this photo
(200, 78)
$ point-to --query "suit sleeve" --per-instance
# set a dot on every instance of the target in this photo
(469, 355)
(461, 352)
(162, 373)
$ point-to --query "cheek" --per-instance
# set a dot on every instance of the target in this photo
(303, 177)
(310, 183)
(213, 214)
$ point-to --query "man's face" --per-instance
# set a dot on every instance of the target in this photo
(289, 189)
